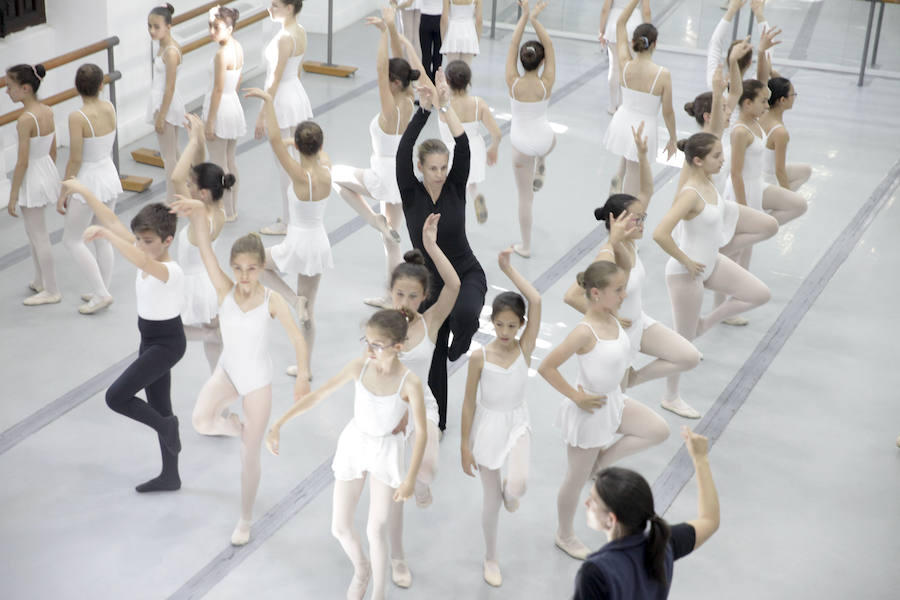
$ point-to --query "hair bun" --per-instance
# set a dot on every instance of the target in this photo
(579, 279)
(414, 257)
(414, 74)
(228, 181)
(689, 108)
(529, 51)
(237, 14)
(681, 144)
(40, 70)
(601, 214)
(170, 8)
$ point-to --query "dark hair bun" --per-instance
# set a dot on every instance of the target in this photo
(681, 144)
(414, 257)
(602, 213)
(40, 70)
(229, 180)
(170, 8)
(689, 108)
(414, 74)
(579, 279)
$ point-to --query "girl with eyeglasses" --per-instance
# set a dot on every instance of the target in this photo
(371, 445)
(776, 169)
(624, 217)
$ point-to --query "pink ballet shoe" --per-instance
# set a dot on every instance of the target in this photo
(359, 583)
(573, 547)
(43, 297)
(400, 573)
(276, 228)
(492, 573)
(241, 534)
(95, 304)
(518, 249)
(680, 408)
(737, 321)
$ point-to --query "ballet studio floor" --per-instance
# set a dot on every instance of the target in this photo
(802, 402)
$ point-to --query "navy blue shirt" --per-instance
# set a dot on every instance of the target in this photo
(618, 571)
(451, 203)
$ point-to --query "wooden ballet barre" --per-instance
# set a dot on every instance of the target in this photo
(55, 99)
(328, 67)
(74, 55)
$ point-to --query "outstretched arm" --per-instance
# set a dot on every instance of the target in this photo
(623, 43)
(532, 296)
(293, 168)
(195, 210)
(512, 54)
(405, 177)
(548, 75)
(193, 154)
(438, 312)
(717, 50)
(707, 521)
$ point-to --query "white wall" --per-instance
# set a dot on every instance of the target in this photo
(73, 24)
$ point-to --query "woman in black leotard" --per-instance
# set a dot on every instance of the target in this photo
(442, 192)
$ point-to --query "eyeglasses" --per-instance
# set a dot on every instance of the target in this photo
(638, 219)
(376, 348)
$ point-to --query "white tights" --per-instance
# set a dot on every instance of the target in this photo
(783, 204)
(97, 271)
(674, 354)
(524, 170)
(641, 428)
(222, 153)
(797, 175)
(615, 92)
(465, 57)
(494, 491)
(410, 22)
(211, 338)
(346, 497)
(41, 249)
(427, 471)
(168, 150)
(210, 417)
(283, 180)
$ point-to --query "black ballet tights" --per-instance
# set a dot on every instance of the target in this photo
(162, 346)
(430, 41)
(463, 322)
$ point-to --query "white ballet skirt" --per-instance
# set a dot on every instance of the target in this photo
(201, 302)
(636, 107)
(366, 444)
(461, 35)
(381, 176)
(292, 105)
(40, 185)
(175, 114)
(418, 360)
(98, 172)
(305, 249)
(600, 371)
(501, 415)
(230, 123)
(477, 147)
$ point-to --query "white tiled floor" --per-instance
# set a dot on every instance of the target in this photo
(807, 471)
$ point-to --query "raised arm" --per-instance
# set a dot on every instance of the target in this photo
(406, 178)
(438, 312)
(382, 67)
(735, 79)
(413, 392)
(604, 19)
(193, 154)
(103, 213)
(532, 296)
(476, 364)
(350, 371)
(459, 170)
(646, 15)
(291, 166)
(578, 338)
(764, 58)
(687, 205)
(707, 521)
(132, 253)
(389, 14)
(740, 139)
(716, 111)
(278, 308)
(512, 54)
(623, 42)
(717, 51)
(548, 75)
(195, 210)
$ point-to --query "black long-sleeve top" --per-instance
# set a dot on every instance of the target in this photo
(451, 204)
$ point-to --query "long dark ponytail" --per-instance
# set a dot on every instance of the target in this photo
(628, 496)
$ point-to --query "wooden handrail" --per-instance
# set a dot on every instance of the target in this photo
(195, 12)
(55, 99)
(74, 55)
(255, 18)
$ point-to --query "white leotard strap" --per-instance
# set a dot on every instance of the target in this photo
(36, 124)
(696, 191)
(400, 387)
(544, 97)
(761, 132)
(589, 326)
(476, 109)
(513, 87)
(88, 122)
(175, 48)
(309, 181)
(774, 127)
(293, 45)
(653, 85)
(606, 250)
(397, 129)
(624, 71)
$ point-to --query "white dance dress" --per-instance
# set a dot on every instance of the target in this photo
(245, 355)
(700, 238)
(381, 176)
(98, 171)
(636, 107)
(40, 185)
(501, 415)
(477, 148)
(530, 132)
(230, 123)
(175, 114)
(461, 35)
(292, 105)
(305, 249)
(366, 444)
(600, 371)
(754, 183)
(418, 360)
(201, 302)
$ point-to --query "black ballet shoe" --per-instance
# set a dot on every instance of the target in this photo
(160, 484)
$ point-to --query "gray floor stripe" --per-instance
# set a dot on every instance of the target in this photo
(156, 191)
(680, 470)
(49, 413)
(804, 36)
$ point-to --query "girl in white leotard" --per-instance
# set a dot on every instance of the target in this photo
(609, 16)
(379, 181)
(461, 30)
(595, 412)
(35, 181)
(409, 287)
(646, 87)
(624, 217)
(165, 106)
(92, 133)
(530, 132)
(222, 109)
(459, 76)
(305, 252)
(496, 428)
(284, 59)
(696, 263)
(776, 170)
(245, 367)
(371, 444)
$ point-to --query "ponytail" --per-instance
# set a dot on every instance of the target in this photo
(655, 551)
